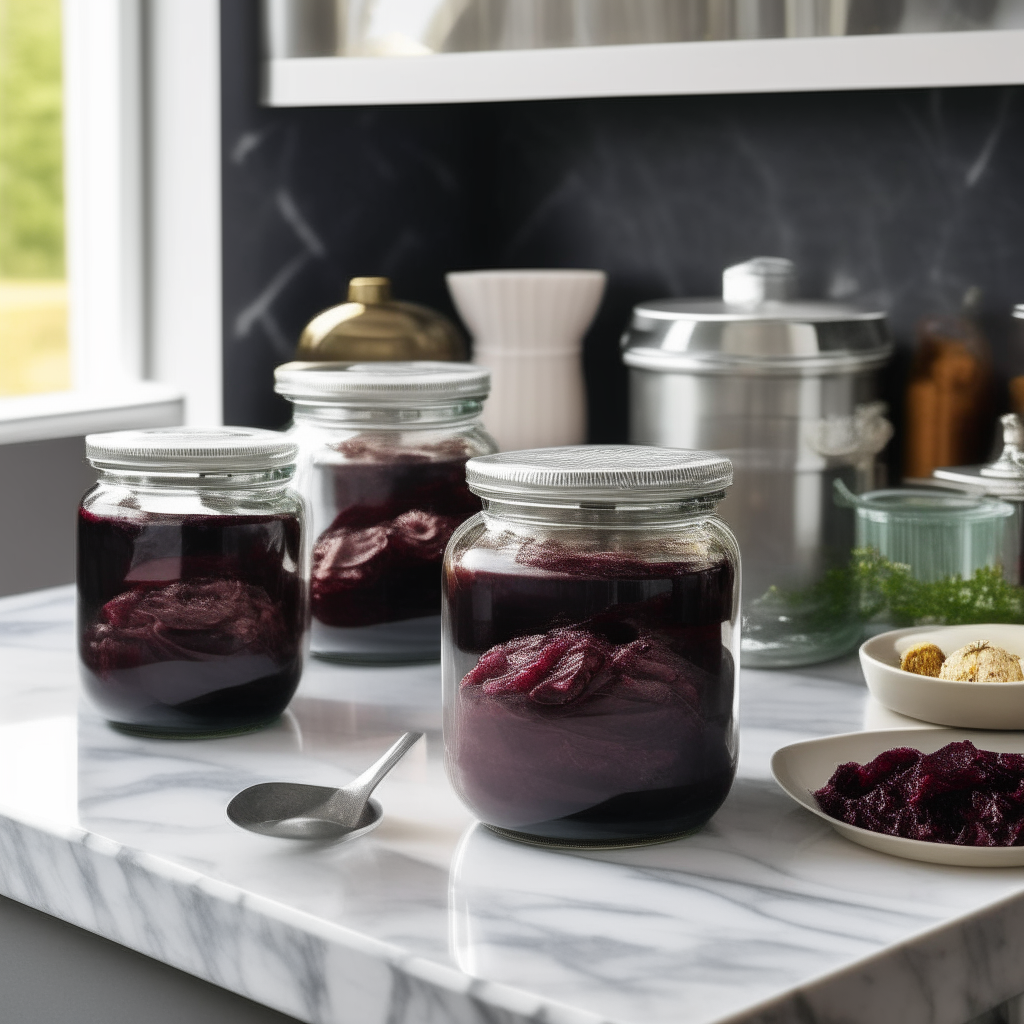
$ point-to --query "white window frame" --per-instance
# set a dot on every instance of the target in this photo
(142, 181)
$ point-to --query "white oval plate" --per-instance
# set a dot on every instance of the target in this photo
(801, 768)
(962, 705)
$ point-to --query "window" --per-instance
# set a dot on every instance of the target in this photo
(34, 354)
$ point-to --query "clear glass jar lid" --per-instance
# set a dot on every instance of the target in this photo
(619, 474)
(384, 383)
(191, 450)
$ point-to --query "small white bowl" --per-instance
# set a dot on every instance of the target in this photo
(964, 705)
(802, 768)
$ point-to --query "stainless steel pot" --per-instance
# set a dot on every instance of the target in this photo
(788, 390)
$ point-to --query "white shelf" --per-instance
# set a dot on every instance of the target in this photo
(901, 61)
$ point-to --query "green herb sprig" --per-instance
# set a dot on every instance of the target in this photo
(871, 587)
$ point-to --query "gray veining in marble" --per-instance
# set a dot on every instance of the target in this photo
(765, 917)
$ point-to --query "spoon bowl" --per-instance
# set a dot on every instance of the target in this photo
(276, 809)
(292, 810)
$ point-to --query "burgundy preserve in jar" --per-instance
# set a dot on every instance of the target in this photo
(590, 645)
(382, 456)
(192, 606)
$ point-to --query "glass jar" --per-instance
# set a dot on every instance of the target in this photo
(192, 607)
(937, 534)
(382, 455)
(1003, 478)
(591, 645)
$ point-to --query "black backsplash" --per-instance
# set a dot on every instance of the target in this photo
(900, 199)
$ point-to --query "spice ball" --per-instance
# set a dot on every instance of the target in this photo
(922, 659)
(982, 662)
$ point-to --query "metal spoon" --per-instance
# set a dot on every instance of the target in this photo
(291, 810)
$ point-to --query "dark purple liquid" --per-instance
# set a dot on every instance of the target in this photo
(959, 794)
(596, 696)
(380, 559)
(190, 623)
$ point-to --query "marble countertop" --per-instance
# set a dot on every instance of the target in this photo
(764, 917)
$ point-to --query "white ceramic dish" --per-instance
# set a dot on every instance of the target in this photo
(801, 768)
(962, 705)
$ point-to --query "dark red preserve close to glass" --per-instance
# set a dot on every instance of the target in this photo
(596, 694)
(380, 558)
(190, 623)
(958, 794)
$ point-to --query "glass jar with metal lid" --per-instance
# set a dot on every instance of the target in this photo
(1003, 478)
(590, 645)
(192, 606)
(382, 455)
(787, 389)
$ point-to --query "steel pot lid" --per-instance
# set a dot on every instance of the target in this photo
(1003, 478)
(756, 327)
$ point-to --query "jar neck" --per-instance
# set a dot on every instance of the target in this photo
(462, 412)
(611, 517)
(267, 481)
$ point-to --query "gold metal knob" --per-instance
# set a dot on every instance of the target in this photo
(372, 326)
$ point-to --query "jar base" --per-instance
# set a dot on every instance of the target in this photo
(403, 642)
(377, 660)
(795, 650)
(158, 733)
(597, 844)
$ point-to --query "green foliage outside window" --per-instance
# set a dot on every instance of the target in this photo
(33, 299)
(31, 150)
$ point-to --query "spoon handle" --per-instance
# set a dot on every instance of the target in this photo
(367, 782)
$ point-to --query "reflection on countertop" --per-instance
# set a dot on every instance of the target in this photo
(765, 914)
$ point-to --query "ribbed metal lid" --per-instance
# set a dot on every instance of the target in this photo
(618, 474)
(1018, 311)
(382, 383)
(191, 450)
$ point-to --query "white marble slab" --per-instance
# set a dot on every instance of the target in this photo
(765, 917)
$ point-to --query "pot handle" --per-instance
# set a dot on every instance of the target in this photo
(856, 439)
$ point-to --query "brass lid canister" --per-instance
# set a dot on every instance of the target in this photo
(372, 326)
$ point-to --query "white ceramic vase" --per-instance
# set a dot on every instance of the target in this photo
(528, 328)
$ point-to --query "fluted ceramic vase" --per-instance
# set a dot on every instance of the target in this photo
(528, 328)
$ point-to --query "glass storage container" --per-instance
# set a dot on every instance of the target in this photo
(938, 534)
(382, 455)
(930, 556)
(1004, 479)
(591, 643)
(192, 606)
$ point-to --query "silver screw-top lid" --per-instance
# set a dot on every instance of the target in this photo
(191, 450)
(616, 474)
(384, 383)
(1003, 478)
(1018, 311)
